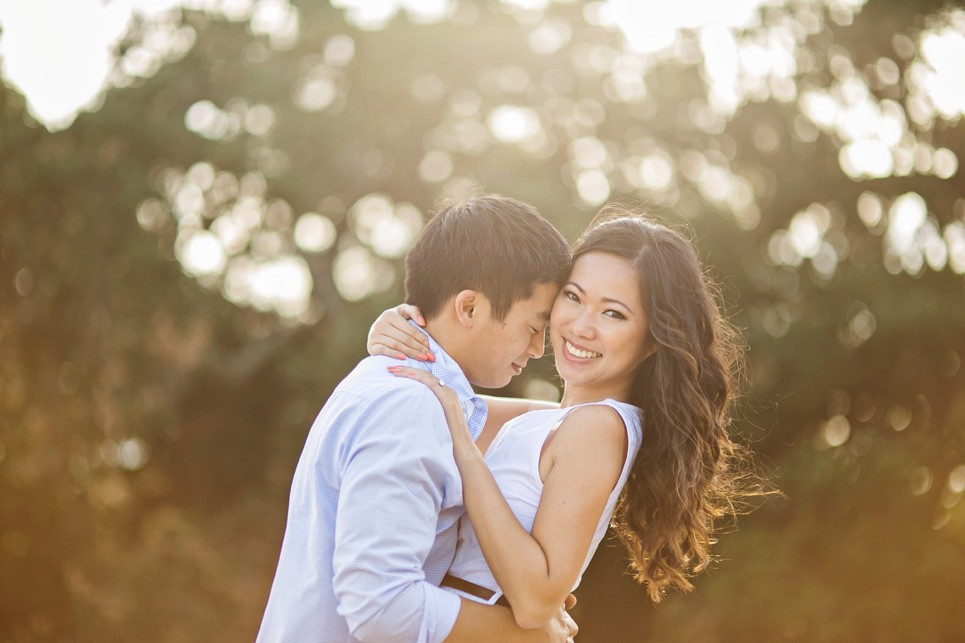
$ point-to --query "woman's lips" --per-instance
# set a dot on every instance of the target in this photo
(578, 353)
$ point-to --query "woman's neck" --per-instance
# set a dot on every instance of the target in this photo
(575, 395)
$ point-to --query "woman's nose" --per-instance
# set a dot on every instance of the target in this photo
(583, 325)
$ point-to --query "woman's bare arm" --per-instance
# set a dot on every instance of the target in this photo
(579, 467)
(582, 464)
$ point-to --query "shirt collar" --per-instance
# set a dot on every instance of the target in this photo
(447, 370)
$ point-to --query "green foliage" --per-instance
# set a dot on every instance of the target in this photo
(152, 411)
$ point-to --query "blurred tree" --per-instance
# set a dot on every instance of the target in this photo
(186, 271)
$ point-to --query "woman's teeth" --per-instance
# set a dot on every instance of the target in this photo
(576, 352)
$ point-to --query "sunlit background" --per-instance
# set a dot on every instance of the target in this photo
(204, 203)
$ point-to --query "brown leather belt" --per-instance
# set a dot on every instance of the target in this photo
(473, 589)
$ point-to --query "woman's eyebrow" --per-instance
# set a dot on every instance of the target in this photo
(575, 285)
(608, 300)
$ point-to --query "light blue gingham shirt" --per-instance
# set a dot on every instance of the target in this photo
(373, 512)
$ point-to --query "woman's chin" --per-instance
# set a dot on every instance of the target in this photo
(574, 374)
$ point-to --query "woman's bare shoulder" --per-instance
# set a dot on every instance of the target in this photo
(594, 434)
(601, 421)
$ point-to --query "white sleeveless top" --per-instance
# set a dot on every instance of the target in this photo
(513, 457)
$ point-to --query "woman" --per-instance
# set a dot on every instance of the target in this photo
(637, 338)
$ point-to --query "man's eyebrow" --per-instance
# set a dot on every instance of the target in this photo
(608, 300)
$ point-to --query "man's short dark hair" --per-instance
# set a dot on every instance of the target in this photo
(498, 246)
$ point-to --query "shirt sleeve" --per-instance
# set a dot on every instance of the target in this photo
(394, 482)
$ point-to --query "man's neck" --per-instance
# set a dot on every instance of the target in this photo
(442, 332)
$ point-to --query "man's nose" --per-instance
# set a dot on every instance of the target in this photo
(537, 345)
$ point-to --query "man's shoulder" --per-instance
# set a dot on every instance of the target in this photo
(371, 404)
(372, 372)
(371, 382)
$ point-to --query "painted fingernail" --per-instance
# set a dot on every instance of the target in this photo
(432, 357)
(422, 320)
(422, 357)
(400, 356)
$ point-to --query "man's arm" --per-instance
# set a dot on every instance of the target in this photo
(503, 409)
(393, 483)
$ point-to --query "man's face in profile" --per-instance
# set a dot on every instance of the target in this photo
(501, 348)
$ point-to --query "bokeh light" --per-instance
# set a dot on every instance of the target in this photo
(192, 265)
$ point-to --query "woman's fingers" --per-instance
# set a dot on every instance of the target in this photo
(396, 333)
(416, 374)
(409, 311)
(382, 349)
(394, 348)
(392, 332)
(434, 383)
(410, 341)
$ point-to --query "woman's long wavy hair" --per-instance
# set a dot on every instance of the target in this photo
(689, 473)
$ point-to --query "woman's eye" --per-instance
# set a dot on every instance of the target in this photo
(571, 296)
(615, 314)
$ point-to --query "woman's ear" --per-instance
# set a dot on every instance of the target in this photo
(649, 348)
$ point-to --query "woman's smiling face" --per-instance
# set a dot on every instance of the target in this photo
(599, 328)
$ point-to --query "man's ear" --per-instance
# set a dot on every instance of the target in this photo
(466, 304)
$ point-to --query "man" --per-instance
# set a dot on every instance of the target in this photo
(376, 495)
